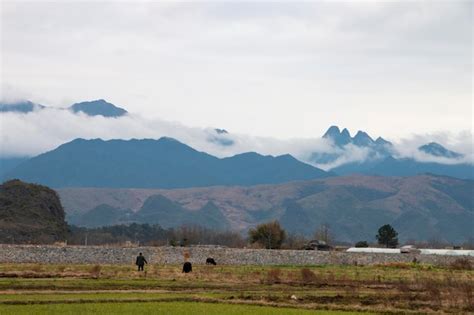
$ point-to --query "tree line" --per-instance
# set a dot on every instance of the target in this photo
(270, 235)
(153, 235)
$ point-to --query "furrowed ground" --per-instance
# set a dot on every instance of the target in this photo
(395, 288)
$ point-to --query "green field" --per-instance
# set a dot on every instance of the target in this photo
(112, 289)
(158, 308)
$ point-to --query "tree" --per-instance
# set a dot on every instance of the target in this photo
(269, 235)
(323, 233)
(387, 236)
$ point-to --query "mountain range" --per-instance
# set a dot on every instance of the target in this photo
(383, 160)
(91, 108)
(167, 182)
(147, 163)
(420, 207)
(381, 157)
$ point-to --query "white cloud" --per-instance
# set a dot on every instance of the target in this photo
(283, 69)
(43, 130)
(461, 142)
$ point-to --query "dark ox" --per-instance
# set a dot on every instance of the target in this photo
(187, 267)
(210, 261)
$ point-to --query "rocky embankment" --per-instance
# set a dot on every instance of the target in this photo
(48, 254)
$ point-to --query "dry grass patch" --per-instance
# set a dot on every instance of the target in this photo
(461, 264)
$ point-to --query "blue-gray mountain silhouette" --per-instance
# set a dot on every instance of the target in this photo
(163, 163)
(90, 108)
(220, 137)
(20, 107)
(361, 139)
(9, 163)
(381, 159)
(438, 150)
(377, 149)
(408, 167)
(340, 138)
(98, 108)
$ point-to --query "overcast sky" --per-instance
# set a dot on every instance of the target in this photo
(279, 70)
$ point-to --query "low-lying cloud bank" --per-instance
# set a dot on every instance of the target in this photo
(43, 130)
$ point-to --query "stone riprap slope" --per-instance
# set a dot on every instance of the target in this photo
(47, 254)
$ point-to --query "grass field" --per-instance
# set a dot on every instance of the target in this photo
(112, 289)
(196, 308)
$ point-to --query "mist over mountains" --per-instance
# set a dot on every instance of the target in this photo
(336, 151)
(90, 108)
(382, 157)
(222, 180)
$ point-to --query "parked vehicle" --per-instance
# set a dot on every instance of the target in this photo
(409, 249)
(317, 245)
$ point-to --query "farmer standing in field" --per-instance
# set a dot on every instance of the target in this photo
(140, 262)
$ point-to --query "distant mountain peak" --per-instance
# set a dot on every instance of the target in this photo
(362, 139)
(436, 149)
(382, 141)
(221, 137)
(361, 133)
(98, 107)
(345, 133)
(331, 132)
(339, 138)
(221, 131)
(168, 139)
(24, 106)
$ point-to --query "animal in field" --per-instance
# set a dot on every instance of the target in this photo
(187, 267)
(210, 261)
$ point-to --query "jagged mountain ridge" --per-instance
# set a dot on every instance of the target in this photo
(382, 159)
(342, 138)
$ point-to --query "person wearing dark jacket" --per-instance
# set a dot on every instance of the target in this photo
(140, 262)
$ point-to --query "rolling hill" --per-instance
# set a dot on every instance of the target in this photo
(420, 207)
